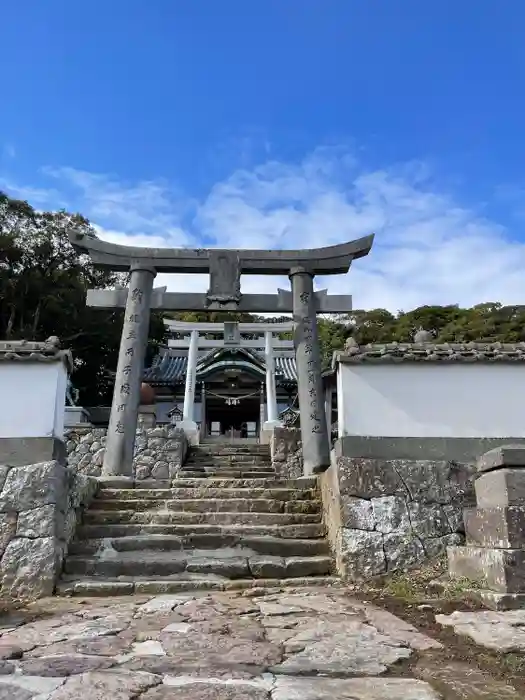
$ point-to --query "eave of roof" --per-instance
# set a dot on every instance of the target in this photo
(436, 353)
(31, 351)
(172, 370)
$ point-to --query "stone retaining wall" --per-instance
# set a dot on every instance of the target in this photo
(390, 515)
(159, 452)
(39, 508)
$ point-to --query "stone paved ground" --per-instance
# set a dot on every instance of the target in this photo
(298, 644)
(502, 631)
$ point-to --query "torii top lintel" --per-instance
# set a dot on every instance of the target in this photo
(330, 260)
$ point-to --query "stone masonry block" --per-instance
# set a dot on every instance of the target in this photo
(504, 456)
(362, 554)
(33, 486)
(500, 570)
(500, 488)
(502, 528)
(368, 478)
(357, 513)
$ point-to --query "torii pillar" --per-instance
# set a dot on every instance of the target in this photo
(120, 443)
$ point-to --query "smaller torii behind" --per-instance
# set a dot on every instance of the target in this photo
(225, 267)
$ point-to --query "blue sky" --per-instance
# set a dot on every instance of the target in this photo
(282, 123)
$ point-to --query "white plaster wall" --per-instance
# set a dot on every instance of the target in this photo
(409, 400)
(32, 399)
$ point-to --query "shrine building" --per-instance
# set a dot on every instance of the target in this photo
(245, 378)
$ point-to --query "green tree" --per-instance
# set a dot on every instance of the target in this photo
(43, 285)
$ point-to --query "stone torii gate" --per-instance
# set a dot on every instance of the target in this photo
(225, 267)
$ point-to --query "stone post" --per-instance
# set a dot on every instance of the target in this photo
(118, 458)
(147, 417)
(203, 410)
(271, 396)
(272, 420)
(262, 411)
(314, 434)
(494, 554)
(188, 423)
(328, 397)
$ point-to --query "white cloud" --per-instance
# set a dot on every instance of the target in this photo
(428, 249)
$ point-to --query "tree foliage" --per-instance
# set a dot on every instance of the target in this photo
(43, 285)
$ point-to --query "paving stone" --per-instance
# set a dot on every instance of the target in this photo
(341, 648)
(163, 603)
(270, 608)
(36, 633)
(10, 651)
(15, 692)
(396, 628)
(187, 688)
(25, 687)
(220, 649)
(178, 627)
(466, 682)
(63, 665)
(147, 648)
(101, 685)
(286, 688)
(502, 631)
(102, 646)
(318, 602)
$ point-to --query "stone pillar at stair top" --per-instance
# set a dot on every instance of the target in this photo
(188, 424)
(272, 420)
(494, 554)
(147, 416)
(314, 433)
(118, 459)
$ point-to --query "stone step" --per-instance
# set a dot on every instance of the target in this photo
(211, 505)
(230, 563)
(302, 531)
(211, 481)
(229, 459)
(205, 491)
(198, 474)
(86, 587)
(229, 448)
(275, 546)
(230, 466)
(238, 460)
(304, 483)
(227, 463)
(265, 472)
(159, 517)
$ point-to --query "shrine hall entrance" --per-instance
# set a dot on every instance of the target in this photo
(233, 421)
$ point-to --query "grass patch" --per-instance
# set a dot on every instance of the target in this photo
(428, 582)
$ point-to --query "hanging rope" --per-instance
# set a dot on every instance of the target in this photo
(233, 400)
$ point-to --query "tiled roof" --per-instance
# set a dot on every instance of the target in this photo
(170, 370)
(32, 351)
(432, 352)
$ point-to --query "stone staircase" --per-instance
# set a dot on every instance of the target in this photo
(229, 461)
(227, 522)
